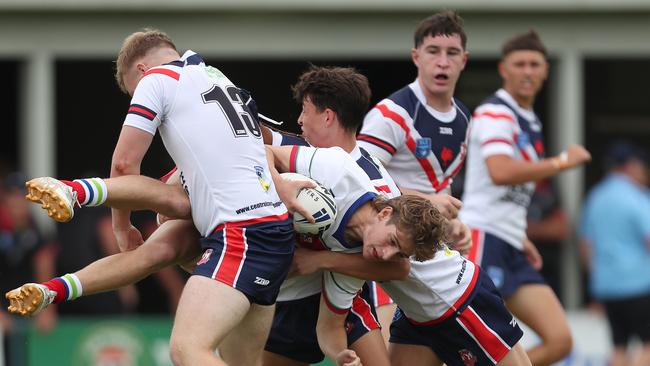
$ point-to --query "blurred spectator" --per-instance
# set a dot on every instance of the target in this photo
(24, 255)
(615, 232)
(548, 227)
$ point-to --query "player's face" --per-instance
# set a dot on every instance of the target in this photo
(313, 123)
(384, 241)
(439, 60)
(523, 74)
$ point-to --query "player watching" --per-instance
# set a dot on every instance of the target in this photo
(506, 157)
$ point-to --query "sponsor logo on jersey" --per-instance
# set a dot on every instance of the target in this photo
(261, 176)
(422, 147)
(463, 268)
(467, 357)
(205, 257)
(446, 131)
(496, 275)
(261, 281)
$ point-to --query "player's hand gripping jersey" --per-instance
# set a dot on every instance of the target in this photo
(423, 149)
(213, 139)
(500, 127)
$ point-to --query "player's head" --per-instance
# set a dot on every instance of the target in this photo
(328, 95)
(406, 226)
(141, 51)
(523, 66)
(440, 54)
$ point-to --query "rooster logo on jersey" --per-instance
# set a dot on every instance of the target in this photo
(446, 155)
(467, 357)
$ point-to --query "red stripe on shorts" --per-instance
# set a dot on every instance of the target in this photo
(486, 338)
(381, 297)
(233, 256)
(362, 309)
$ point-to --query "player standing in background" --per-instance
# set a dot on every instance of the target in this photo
(420, 131)
(506, 157)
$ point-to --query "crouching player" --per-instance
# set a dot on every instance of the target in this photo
(449, 310)
(379, 228)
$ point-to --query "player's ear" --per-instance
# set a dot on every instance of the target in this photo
(415, 57)
(385, 213)
(142, 68)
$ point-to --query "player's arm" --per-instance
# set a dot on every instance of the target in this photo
(504, 170)
(307, 261)
(131, 147)
(332, 338)
(278, 158)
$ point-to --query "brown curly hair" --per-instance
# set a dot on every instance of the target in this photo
(418, 218)
(136, 46)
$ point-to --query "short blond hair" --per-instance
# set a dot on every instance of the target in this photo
(136, 46)
(418, 218)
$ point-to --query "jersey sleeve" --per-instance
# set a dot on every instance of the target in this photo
(281, 138)
(326, 166)
(494, 128)
(339, 291)
(380, 136)
(149, 102)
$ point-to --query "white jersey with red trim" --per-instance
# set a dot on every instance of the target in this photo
(434, 289)
(354, 179)
(500, 127)
(214, 141)
(422, 148)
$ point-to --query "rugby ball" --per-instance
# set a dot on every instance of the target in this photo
(319, 201)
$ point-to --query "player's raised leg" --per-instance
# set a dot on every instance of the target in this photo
(131, 192)
(174, 242)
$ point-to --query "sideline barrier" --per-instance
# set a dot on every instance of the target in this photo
(144, 341)
(120, 341)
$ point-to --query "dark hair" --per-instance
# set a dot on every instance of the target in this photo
(525, 41)
(341, 89)
(622, 152)
(445, 23)
(418, 218)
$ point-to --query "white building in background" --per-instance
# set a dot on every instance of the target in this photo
(38, 32)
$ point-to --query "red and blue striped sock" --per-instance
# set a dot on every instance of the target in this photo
(67, 287)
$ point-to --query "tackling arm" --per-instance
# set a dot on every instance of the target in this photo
(308, 261)
(131, 147)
